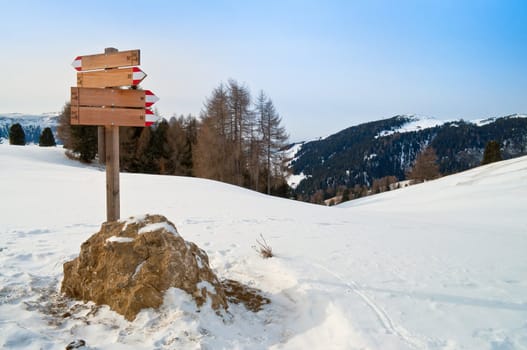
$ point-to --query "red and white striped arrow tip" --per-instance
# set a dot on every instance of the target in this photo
(137, 75)
(150, 98)
(77, 63)
(150, 118)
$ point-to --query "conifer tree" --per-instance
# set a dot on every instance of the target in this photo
(182, 138)
(274, 136)
(142, 161)
(492, 153)
(345, 195)
(160, 149)
(46, 138)
(79, 139)
(128, 139)
(239, 103)
(214, 152)
(17, 135)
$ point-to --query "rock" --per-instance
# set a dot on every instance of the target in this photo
(237, 293)
(129, 265)
(76, 344)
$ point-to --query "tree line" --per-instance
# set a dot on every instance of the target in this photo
(236, 139)
(17, 136)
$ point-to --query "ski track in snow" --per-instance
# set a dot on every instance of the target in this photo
(384, 319)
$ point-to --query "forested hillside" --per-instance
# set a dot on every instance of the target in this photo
(353, 158)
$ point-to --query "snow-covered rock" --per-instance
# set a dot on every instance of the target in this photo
(130, 266)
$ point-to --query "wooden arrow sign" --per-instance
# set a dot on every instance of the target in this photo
(95, 106)
(150, 118)
(96, 97)
(107, 60)
(110, 78)
(150, 98)
(107, 116)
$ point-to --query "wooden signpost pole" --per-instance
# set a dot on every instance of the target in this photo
(113, 205)
(110, 146)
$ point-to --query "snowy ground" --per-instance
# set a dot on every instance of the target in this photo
(441, 265)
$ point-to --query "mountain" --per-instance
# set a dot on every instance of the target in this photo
(360, 154)
(436, 266)
(33, 125)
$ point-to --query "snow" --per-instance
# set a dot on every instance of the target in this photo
(416, 123)
(292, 151)
(159, 226)
(198, 261)
(485, 121)
(370, 157)
(115, 239)
(208, 287)
(133, 220)
(440, 265)
(138, 269)
(291, 154)
(294, 180)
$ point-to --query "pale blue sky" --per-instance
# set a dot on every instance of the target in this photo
(327, 65)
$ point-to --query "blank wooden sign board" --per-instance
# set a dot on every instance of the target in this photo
(110, 78)
(105, 96)
(113, 59)
(96, 106)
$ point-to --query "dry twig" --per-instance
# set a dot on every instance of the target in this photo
(263, 248)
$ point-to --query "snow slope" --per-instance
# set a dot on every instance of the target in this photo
(441, 265)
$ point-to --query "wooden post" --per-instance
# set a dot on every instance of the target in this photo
(112, 173)
(101, 150)
(110, 144)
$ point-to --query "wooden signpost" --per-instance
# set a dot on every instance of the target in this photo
(96, 106)
(110, 59)
(99, 99)
(110, 78)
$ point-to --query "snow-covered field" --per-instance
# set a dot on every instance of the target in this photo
(442, 265)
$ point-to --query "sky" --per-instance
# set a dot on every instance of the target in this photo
(326, 65)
